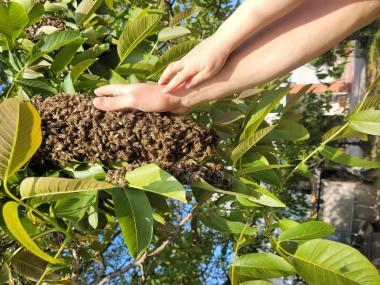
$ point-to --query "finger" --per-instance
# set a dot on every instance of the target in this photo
(198, 78)
(170, 70)
(177, 80)
(114, 103)
(115, 89)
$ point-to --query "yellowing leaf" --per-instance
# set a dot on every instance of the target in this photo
(10, 214)
(20, 135)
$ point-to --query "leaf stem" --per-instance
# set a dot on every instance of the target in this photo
(61, 248)
(237, 247)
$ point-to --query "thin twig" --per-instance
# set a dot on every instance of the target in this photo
(139, 261)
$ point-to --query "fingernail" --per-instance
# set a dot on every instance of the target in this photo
(165, 90)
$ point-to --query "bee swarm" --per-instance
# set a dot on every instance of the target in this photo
(74, 130)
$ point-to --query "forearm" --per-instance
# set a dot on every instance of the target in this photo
(305, 33)
(251, 17)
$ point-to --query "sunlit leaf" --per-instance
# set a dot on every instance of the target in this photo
(171, 33)
(186, 13)
(329, 262)
(152, 178)
(85, 9)
(11, 218)
(263, 266)
(134, 33)
(367, 122)
(341, 157)
(306, 231)
(81, 67)
(13, 19)
(20, 135)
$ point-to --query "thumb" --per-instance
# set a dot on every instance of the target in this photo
(116, 103)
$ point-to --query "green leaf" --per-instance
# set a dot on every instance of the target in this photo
(306, 231)
(40, 85)
(5, 274)
(288, 131)
(171, 33)
(173, 54)
(134, 33)
(369, 102)
(50, 186)
(249, 142)
(152, 178)
(35, 13)
(186, 13)
(367, 122)
(117, 78)
(331, 263)
(68, 85)
(263, 266)
(90, 53)
(135, 216)
(30, 266)
(52, 42)
(74, 208)
(293, 101)
(94, 171)
(260, 195)
(135, 68)
(287, 224)
(64, 56)
(341, 157)
(13, 19)
(258, 168)
(81, 67)
(20, 135)
(346, 133)
(268, 102)
(11, 218)
(85, 9)
(221, 224)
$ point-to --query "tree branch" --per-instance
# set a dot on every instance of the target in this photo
(139, 262)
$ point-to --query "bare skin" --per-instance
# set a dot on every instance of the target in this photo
(307, 31)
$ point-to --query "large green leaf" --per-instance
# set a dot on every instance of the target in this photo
(135, 216)
(263, 266)
(90, 53)
(11, 218)
(221, 224)
(152, 178)
(259, 168)
(20, 135)
(85, 9)
(186, 13)
(81, 67)
(39, 85)
(288, 131)
(64, 56)
(13, 19)
(306, 231)
(341, 157)
(367, 122)
(173, 54)
(347, 132)
(49, 186)
(52, 42)
(74, 208)
(268, 102)
(259, 195)
(369, 102)
(171, 33)
(249, 142)
(30, 266)
(134, 33)
(331, 263)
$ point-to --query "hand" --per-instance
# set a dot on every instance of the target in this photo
(202, 62)
(145, 97)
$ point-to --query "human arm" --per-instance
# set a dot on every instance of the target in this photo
(207, 58)
(308, 31)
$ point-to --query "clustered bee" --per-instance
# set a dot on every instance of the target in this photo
(32, 31)
(74, 130)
